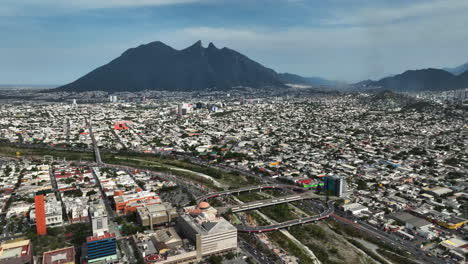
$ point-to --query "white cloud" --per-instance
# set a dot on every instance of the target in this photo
(369, 46)
(13, 7)
(385, 14)
(118, 3)
(351, 52)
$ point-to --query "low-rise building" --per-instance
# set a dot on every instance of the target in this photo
(156, 214)
(355, 208)
(53, 211)
(59, 256)
(16, 252)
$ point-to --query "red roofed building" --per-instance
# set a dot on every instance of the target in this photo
(59, 256)
(304, 181)
(120, 125)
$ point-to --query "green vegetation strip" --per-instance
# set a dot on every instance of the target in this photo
(232, 179)
(157, 163)
(248, 197)
(353, 232)
(395, 257)
(368, 252)
(310, 232)
(289, 246)
(39, 152)
(160, 168)
(280, 213)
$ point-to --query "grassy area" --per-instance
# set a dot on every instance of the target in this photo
(274, 192)
(161, 168)
(232, 179)
(315, 238)
(260, 220)
(368, 252)
(395, 257)
(307, 231)
(306, 209)
(248, 197)
(279, 213)
(289, 246)
(352, 232)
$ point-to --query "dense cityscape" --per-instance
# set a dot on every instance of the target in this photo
(337, 178)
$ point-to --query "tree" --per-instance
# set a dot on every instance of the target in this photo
(319, 189)
(92, 192)
(230, 255)
(361, 184)
(215, 259)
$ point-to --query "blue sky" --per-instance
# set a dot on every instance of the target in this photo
(57, 41)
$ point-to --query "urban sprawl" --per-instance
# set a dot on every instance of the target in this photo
(227, 178)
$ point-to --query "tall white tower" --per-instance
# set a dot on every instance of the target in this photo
(98, 215)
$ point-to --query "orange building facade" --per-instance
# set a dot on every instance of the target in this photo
(125, 203)
(40, 215)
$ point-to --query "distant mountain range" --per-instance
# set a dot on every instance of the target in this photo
(418, 80)
(157, 66)
(458, 70)
(290, 78)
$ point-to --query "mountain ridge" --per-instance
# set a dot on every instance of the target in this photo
(292, 78)
(458, 70)
(429, 79)
(157, 66)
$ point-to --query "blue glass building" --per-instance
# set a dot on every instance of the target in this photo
(335, 185)
(101, 248)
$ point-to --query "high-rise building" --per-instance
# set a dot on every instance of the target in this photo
(336, 185)
(179, 109)
(98, 215)
(101, 246)
(40, 215)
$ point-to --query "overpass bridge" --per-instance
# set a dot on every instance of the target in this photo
(304, 220)
(328, 210)
(269, 202)
(248, 189)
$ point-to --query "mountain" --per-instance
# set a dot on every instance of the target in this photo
(418, 80)
(458, 70)
(462, 80)
(297, 79)
(292, 78)
(157, 66)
